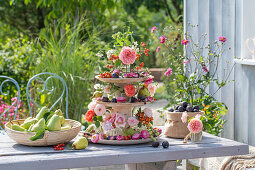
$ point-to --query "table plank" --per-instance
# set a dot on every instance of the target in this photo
(23, 157)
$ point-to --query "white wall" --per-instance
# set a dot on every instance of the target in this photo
(235, 20)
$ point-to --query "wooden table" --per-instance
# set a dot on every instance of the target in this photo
(15, 156)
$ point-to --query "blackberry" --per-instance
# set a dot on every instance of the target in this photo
(105, 99)
(189, 109)
(141, 97)
(195, 110)
(108, 137)
(114, 100)
(155, 144)
(165, 144)
(171, 110)
(133, 99)
(181, 109)
(177, 107)
(196, 107)
(184, 104)
(115, 75)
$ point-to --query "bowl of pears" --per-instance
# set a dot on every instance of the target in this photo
(47, 128)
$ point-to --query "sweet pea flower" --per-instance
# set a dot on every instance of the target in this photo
(184, 117)
(148, 112)
(100, 110)
(162, 39)
(158, 49)
(222, 39)
(132, 121)
(186, 61)
(185, 42)
(120, 120)
(205, 69)
(168, 72)
(195, 125)
(153, 29)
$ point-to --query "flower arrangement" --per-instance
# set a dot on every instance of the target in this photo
(191, 68)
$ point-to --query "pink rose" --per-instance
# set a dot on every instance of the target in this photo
(184, 117)
(107, 126)
(195, 125)
(95, 138)
(148, 112)
(100, 110)
(120, 120)
(110, 117)
(152, 89)
(92, 105)
(132, 121)
(198, 116)
(127, 55)
(168, 72)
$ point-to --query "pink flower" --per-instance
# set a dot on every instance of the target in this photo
(136, 136)
(205, 69)
(110, 117)
(185, 42)
(107, 126)
(148, 81)
(99, 98)
(195, 125)
(152, 89)
(149, 99)
(158, 48)
(100, 110)
(132, 121)
(127, 55)
(198, 116)
(129, 90)
(120, 120)
(145, 134)
(107, 88)
(184, 117)
(168, 72)
(4, 122)
(222, 39)
(162, 39)
(116, 71)
(131, 75)
(101, 136)
(119, 137)
(95, 138)
(153, 29)
(121, 99)
(186, 61)
(148, 112)
(92, 105)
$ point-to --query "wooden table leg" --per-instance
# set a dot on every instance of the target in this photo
(166, 165)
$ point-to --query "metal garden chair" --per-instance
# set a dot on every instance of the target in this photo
(5, 84)
(44, 78)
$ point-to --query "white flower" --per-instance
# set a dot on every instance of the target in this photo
(98, 86)
(107, 126)
(110, 52)
(92, 105)
(137, 50)
(99, 55)
(135, 43)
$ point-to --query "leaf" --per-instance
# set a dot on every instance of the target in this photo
(97, 124)
(38, 135)
(100, 118)
(69, 146)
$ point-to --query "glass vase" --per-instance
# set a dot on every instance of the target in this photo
(196, 137)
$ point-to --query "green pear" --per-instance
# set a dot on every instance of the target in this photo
(97, 94)
(49, 117)
(65, 127)
(62, 120)
(129, 131)
(42, 112)
(39, 126)
(18, 128)
(54, 123)
(27, 119)
(28, 122)
(80, 143)
(59, 112)
(144, 92)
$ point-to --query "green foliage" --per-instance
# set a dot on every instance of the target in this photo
(73, 58)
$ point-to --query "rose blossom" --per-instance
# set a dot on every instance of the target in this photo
(100, 109)
(92, 105)
(129, 90)
(147, 112)
(153, 29)
(222, 39)
(162, 39)
(168, 72)
(148, 81)
(205, 69)
(110, 117)
(132, 121)
(185, 42)
(152, 89)
(95, 138)
(158, 48)
(195, 125)
(120, 120)
(89, 115)
(127, 55)
(184, 117)
(186, 61)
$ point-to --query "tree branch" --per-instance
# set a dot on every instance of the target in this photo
(169, 11)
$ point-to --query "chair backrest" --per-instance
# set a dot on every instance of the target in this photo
(14, 104)
(45, 88)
